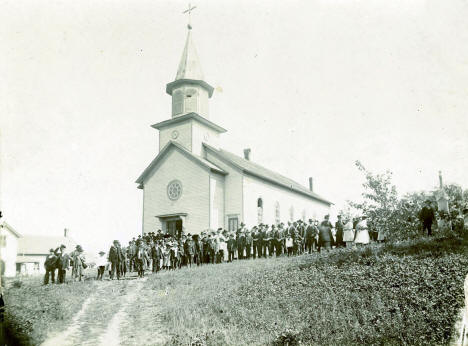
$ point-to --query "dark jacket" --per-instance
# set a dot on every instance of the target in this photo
(325, 234)
(114, 254)
(426, 215)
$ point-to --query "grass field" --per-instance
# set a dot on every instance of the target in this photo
(407, 293)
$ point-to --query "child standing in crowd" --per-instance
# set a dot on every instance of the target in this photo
(101, 265)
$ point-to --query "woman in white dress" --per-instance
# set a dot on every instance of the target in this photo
(362, 232)
(348, 233)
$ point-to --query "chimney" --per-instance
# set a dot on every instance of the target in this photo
(65, 232)
(311, 184)
(440, 180)
(247, 154)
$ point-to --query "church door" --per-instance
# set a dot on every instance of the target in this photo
(174, 228)
(233, 224)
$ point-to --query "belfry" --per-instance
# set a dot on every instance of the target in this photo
(193, 185)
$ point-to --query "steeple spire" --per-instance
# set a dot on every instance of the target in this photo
(189, 91)
(189, 66)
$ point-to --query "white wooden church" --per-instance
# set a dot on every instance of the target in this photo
(194, 185)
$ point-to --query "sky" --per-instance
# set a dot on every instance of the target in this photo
(310, 86)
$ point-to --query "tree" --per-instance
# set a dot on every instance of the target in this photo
(380, 199)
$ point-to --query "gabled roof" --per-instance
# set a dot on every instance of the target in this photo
(188, 116)
(258, 171)
(11, 229)
(40, 245)
(171, 144)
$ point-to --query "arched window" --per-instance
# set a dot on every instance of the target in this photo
(291, 213)
(259, 211)
(277, 213)
(304, 216)
(177, 102)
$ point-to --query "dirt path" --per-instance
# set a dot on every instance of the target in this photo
(103, 316)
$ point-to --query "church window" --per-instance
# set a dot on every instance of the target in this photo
(304, 216)
(277, 213)
(177, 102)
(259, 211)
(174, 190)
(291, 213)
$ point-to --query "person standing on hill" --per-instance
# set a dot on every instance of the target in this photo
(114, 259)
(50, 265)
(325, 234)
(339, 232)
(348, 233)
(427, 217)
(310, 234)
(231, 247)
(63, 262)
(101, 265)
(362, 232)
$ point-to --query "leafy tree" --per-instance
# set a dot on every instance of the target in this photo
(380, 199)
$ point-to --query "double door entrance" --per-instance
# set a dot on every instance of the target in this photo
(174, 228)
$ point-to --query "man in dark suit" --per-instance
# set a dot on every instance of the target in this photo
(50, 265)
(427, 217)
(339, 232)
(240, 242)
(310, 234)
(325, 234)
(248, 243)
(63, 261)
(231, 246)
(114, 259)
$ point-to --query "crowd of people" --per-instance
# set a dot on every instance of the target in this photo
(156, 251)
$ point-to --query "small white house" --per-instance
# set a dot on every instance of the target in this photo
(8, 248)
(33, 250)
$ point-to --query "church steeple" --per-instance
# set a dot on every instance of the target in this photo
(189, 66)
(189, 91)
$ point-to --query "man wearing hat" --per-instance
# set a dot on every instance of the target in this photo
(310, 235)
(427, 217)
(248, 243)
(231, 247)
(63, 261)
(261, 241)
(115, 258)
(189, 249)
(49, 265)
(240, 242)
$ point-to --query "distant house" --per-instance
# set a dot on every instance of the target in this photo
(8, 247)
(33, 250)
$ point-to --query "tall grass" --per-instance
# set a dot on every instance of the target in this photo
(406, 293)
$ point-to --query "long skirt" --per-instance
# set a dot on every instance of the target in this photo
(362, 237)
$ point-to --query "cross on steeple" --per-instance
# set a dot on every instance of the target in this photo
(189, 11)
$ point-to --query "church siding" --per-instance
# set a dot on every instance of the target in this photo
(199, 132)
(255, 188)
(216, 201)
(233, 195)
(184, 129)
(194, 199)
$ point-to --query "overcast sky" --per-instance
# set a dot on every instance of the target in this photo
(309, 86)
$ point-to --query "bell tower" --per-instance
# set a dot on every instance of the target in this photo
(189, 91)
(189, 124)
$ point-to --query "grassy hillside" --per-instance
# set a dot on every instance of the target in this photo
(406, 293)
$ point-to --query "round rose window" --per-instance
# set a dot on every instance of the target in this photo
(174, 190)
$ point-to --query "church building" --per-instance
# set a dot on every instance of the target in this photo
(194, 185)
